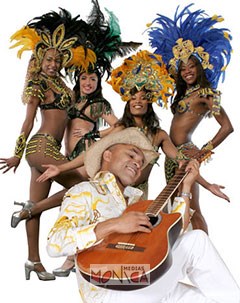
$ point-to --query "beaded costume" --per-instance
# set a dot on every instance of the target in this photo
(97, 106)
(45, 143)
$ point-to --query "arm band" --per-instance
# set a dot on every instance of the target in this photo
(208, 146)
(20, 146)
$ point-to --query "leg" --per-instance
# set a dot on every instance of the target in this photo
(195, 255)
(185, 293)
(48, 203)
(37, 192)
(197, 220)
(67, 179)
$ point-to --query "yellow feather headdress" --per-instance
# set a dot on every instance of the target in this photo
(143, 70)
(30, 40)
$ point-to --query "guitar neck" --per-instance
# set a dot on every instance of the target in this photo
(162, 199)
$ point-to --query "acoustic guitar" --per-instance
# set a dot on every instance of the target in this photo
(135, 260)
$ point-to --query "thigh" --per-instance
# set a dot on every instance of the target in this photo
(43, 149)
(70, 178)
(38, 191)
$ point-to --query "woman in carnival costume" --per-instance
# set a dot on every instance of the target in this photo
(46, 142)
(52, 47)
(196, 54)
(91, 110)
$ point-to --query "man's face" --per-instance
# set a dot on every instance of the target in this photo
(125, 162)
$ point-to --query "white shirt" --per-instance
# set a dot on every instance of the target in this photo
(84, 206)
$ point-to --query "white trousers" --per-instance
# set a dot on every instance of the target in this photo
(194, 256)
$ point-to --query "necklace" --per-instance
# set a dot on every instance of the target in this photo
(58, 86)
(190, 90)
(143, 129)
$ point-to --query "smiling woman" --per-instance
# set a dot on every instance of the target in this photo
(133, 16)
(52, 50)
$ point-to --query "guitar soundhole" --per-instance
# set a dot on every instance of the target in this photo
(155, 220)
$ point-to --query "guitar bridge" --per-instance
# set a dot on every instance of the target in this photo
(125, 246)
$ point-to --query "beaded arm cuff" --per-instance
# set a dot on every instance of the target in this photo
(20, 146)
(208, 146)
(216, 95)
(181, 155)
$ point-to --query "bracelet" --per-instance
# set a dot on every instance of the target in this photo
(188, 195)
(92, 135)
(20, 146)
(208, 146)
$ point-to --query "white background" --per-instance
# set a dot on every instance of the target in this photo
(222, 217)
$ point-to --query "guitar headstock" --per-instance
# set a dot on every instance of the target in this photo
(200, 155)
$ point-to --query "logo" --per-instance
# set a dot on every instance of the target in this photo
(120, 274)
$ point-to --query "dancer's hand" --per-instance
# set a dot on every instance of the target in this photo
(216, 190)
(10, 163)
(50, 172)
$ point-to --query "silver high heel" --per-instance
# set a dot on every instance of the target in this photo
(16, 216)
(60, 272)
(43, 275)
(65, 272)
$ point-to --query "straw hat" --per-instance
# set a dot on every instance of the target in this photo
(130, 135)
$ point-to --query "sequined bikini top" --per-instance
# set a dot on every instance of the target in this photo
(38, 88)
(183, 106)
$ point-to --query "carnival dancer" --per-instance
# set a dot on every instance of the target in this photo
(52, 50)
(196, 54)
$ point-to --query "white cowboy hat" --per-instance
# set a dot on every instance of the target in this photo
(130, 135)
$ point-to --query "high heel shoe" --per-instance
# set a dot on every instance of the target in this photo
(64, 270)
(60, 272)
(43, 275)
(16, 216)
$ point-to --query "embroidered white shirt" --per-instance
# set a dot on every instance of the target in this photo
(84, 206)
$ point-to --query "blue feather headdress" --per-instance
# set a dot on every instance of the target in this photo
(192, 33)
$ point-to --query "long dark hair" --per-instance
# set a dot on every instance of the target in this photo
(150, 119)
(96, 94)
(181, 85)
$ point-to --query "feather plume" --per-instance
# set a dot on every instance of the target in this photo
(105, 36)
(27, 38)
(199, 28)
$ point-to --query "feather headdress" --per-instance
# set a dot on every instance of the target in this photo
(143, 70)
(59, 31)
(192, 33)
(91, 45)
(104, 38)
